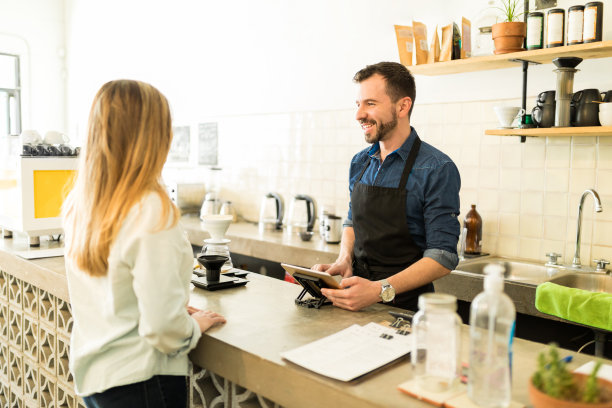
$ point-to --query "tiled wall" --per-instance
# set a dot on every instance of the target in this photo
(527, 193)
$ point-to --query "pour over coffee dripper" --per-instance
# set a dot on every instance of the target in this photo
(217, 244)
(212, 264)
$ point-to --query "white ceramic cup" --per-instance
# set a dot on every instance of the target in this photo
(605, 114)
(507, 114)
(31, 137)
(55, 137)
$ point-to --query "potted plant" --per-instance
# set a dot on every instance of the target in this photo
(554, 386)
(509, 35)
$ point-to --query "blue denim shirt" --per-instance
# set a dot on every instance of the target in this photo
(432, 195)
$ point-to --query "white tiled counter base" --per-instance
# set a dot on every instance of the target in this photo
(35, 331)
(34, 343)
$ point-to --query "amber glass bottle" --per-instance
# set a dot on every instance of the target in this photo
(473, 238)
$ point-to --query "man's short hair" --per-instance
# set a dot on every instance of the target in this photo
(400, 82)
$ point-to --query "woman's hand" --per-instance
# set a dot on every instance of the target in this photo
(205, 318)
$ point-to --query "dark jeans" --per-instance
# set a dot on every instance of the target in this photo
(160, 391)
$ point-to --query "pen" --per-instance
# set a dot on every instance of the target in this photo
(566, 359)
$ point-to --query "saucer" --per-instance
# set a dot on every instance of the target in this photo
(217, 241)
(506, 127)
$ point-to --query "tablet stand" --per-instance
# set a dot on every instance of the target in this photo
(312, 286)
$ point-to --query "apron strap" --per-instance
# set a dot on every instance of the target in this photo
(410, 162)
(414, 151)
(363, 170)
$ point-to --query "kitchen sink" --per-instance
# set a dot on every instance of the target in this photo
(586, 281)
(516, 270)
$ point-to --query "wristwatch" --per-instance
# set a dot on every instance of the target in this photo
(387, 293)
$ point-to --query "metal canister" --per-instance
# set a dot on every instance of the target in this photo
(575, 24)
(535, 30)
(333, 229)
(593, 21)
(555, 27)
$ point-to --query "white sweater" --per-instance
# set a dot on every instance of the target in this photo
(132, 323)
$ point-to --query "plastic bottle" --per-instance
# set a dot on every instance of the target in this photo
(492, 322)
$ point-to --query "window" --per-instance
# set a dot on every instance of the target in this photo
(10, 95)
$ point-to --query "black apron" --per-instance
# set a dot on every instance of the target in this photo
(383, 244)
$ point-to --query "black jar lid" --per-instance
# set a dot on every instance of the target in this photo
(594, 3)
(577, 7)
(555, 11)
(535, 14)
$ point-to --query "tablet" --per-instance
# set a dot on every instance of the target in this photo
(325, 277)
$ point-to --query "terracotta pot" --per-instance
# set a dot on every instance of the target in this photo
(509, 37)
(541, 400)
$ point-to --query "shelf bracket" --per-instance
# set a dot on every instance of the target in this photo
(525, 64)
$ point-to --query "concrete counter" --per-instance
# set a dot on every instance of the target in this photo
(262, 322)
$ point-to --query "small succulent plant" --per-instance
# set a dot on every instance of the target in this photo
(553, 378)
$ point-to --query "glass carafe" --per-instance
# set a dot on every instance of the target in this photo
(212, 247)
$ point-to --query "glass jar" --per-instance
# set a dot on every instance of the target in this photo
(436, 342)
(218, 248)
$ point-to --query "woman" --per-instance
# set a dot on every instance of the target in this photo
(128, 262)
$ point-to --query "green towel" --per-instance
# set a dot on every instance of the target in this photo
(581, 306)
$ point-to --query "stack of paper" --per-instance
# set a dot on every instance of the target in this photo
(351, 352)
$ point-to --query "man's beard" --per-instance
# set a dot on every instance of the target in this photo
(382, 129)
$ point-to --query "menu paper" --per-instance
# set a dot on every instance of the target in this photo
(352, 352)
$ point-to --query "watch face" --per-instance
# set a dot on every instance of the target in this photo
(388, 294)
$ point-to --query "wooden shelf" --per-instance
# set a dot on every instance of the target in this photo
(552, 132)
(601, 49)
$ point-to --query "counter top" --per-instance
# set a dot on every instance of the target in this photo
(263, 321)
(46, 273)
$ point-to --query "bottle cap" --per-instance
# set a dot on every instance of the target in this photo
(494, 278)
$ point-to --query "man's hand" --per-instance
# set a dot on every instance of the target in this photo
(342, 268)
(356, 293)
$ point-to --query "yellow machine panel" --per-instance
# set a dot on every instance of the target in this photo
(50, 189)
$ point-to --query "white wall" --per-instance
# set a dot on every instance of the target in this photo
(244, 56)
(276, 76)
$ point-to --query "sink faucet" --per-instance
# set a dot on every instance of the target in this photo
(576, 260)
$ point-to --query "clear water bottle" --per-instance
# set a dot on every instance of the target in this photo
(436, 342)
(492, 322)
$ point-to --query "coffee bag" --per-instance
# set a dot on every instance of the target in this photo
(404, 37)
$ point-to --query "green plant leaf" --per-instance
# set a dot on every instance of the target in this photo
(591, 388)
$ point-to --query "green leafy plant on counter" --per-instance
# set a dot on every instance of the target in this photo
(509, 9)
(553, 378)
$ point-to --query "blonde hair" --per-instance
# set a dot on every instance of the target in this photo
(128, 139)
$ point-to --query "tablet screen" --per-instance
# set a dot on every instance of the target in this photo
(328, 280)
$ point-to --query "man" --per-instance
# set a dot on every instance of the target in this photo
(402, 229)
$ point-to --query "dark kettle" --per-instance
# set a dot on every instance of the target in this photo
(584, 108)
(544, 116)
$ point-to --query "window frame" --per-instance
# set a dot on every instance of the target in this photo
(13, 118)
